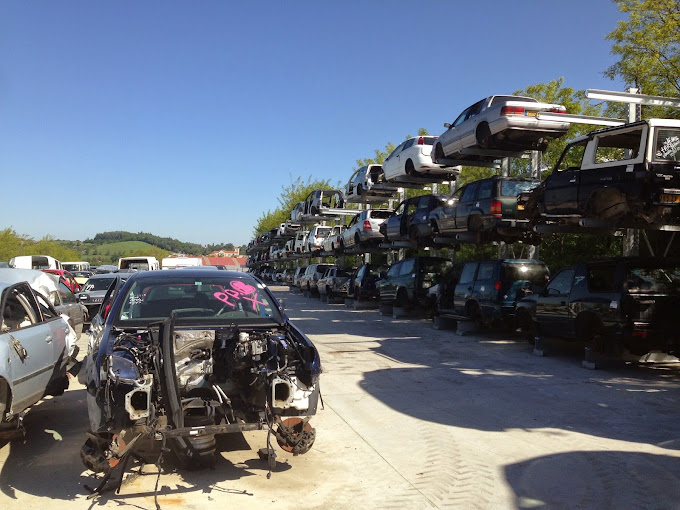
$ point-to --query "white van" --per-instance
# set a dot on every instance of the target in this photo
(179, 262)
(76, 266)
(139, 263)
(34, 262)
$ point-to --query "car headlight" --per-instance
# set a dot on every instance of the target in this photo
(124, 368)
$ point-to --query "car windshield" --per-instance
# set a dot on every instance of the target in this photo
(535, 274)
(205, 298)
(95, 284)
(514, 188)
(653, 279)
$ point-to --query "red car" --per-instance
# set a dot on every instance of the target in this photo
(66, 277)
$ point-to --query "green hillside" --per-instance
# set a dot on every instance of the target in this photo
(121, 247)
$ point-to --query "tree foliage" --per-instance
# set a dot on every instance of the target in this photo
(291, 194)
(13, 244)
(647, 45)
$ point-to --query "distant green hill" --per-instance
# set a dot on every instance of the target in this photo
(121, 247)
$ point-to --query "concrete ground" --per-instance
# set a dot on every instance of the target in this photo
(413, 418)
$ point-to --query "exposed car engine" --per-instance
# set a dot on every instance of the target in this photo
(185, 385)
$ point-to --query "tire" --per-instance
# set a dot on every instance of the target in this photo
(402, 300)
(203, 447)
(4, 399)
(474, 224)
(357, 294)
(483, 135)
(410, 169)
(360, 190)
(357, 239)
(475, 314)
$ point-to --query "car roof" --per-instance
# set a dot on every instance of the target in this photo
(185, 273)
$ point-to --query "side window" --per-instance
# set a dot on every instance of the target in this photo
(400, 209)
(20, 309)
(396, 151)
(407, 267)
(601, 278)
(65, 293)
(486, 270)
(485, 190)
(409, 143)
(45, 307)
(461, 118)
(572, 158)
(411, 208)
(394, 270)
(468, 273)
(618, 146)
(561, 284)
(470, 192)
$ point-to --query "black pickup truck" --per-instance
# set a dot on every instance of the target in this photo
(626, 303)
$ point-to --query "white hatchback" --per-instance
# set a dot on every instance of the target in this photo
(412, 158)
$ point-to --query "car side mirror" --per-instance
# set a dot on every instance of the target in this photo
(553, 292)
(447, 125)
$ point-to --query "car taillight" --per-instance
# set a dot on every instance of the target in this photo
(367, 225)
(512, 110)
(640, 334)
(557, 110)
(421, 141)
(496, 207)
(497, 285)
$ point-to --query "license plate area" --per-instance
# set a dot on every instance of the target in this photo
(668, 198)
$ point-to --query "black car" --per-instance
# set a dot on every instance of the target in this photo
(485, 211)
(621, 177)
(410, 220)
(626, 302)
(93, 292)
(179, 357)
(408, 281)
(363, 284)
(488, 290)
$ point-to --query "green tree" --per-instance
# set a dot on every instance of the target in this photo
(647, 45)
(575, 102)
(291, 194)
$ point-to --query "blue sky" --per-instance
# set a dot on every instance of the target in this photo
(185, 119)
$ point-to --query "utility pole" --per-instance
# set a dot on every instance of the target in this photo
(536, 163)
(631, 241)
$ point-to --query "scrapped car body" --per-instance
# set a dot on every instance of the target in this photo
(623, 177)
(485, 210)
(34, 350)
(498, 123)
(626, 303)
(410, 220)
(412, 158)
(367, 184)
(364, 229)
(179, 357)
(323, 199)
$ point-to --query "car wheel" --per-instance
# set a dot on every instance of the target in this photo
(483, 135)
(341, 248)
(357, 238)
(475, 224)
(357, 295)
(402, 300)
(360, 190)
(410, 169)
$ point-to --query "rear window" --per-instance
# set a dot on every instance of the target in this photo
(535, 274)
(323, 230)
(380, 214)
(501, 99)
(429, 140)
(667, 145)
(659, 279)
(514, 188)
